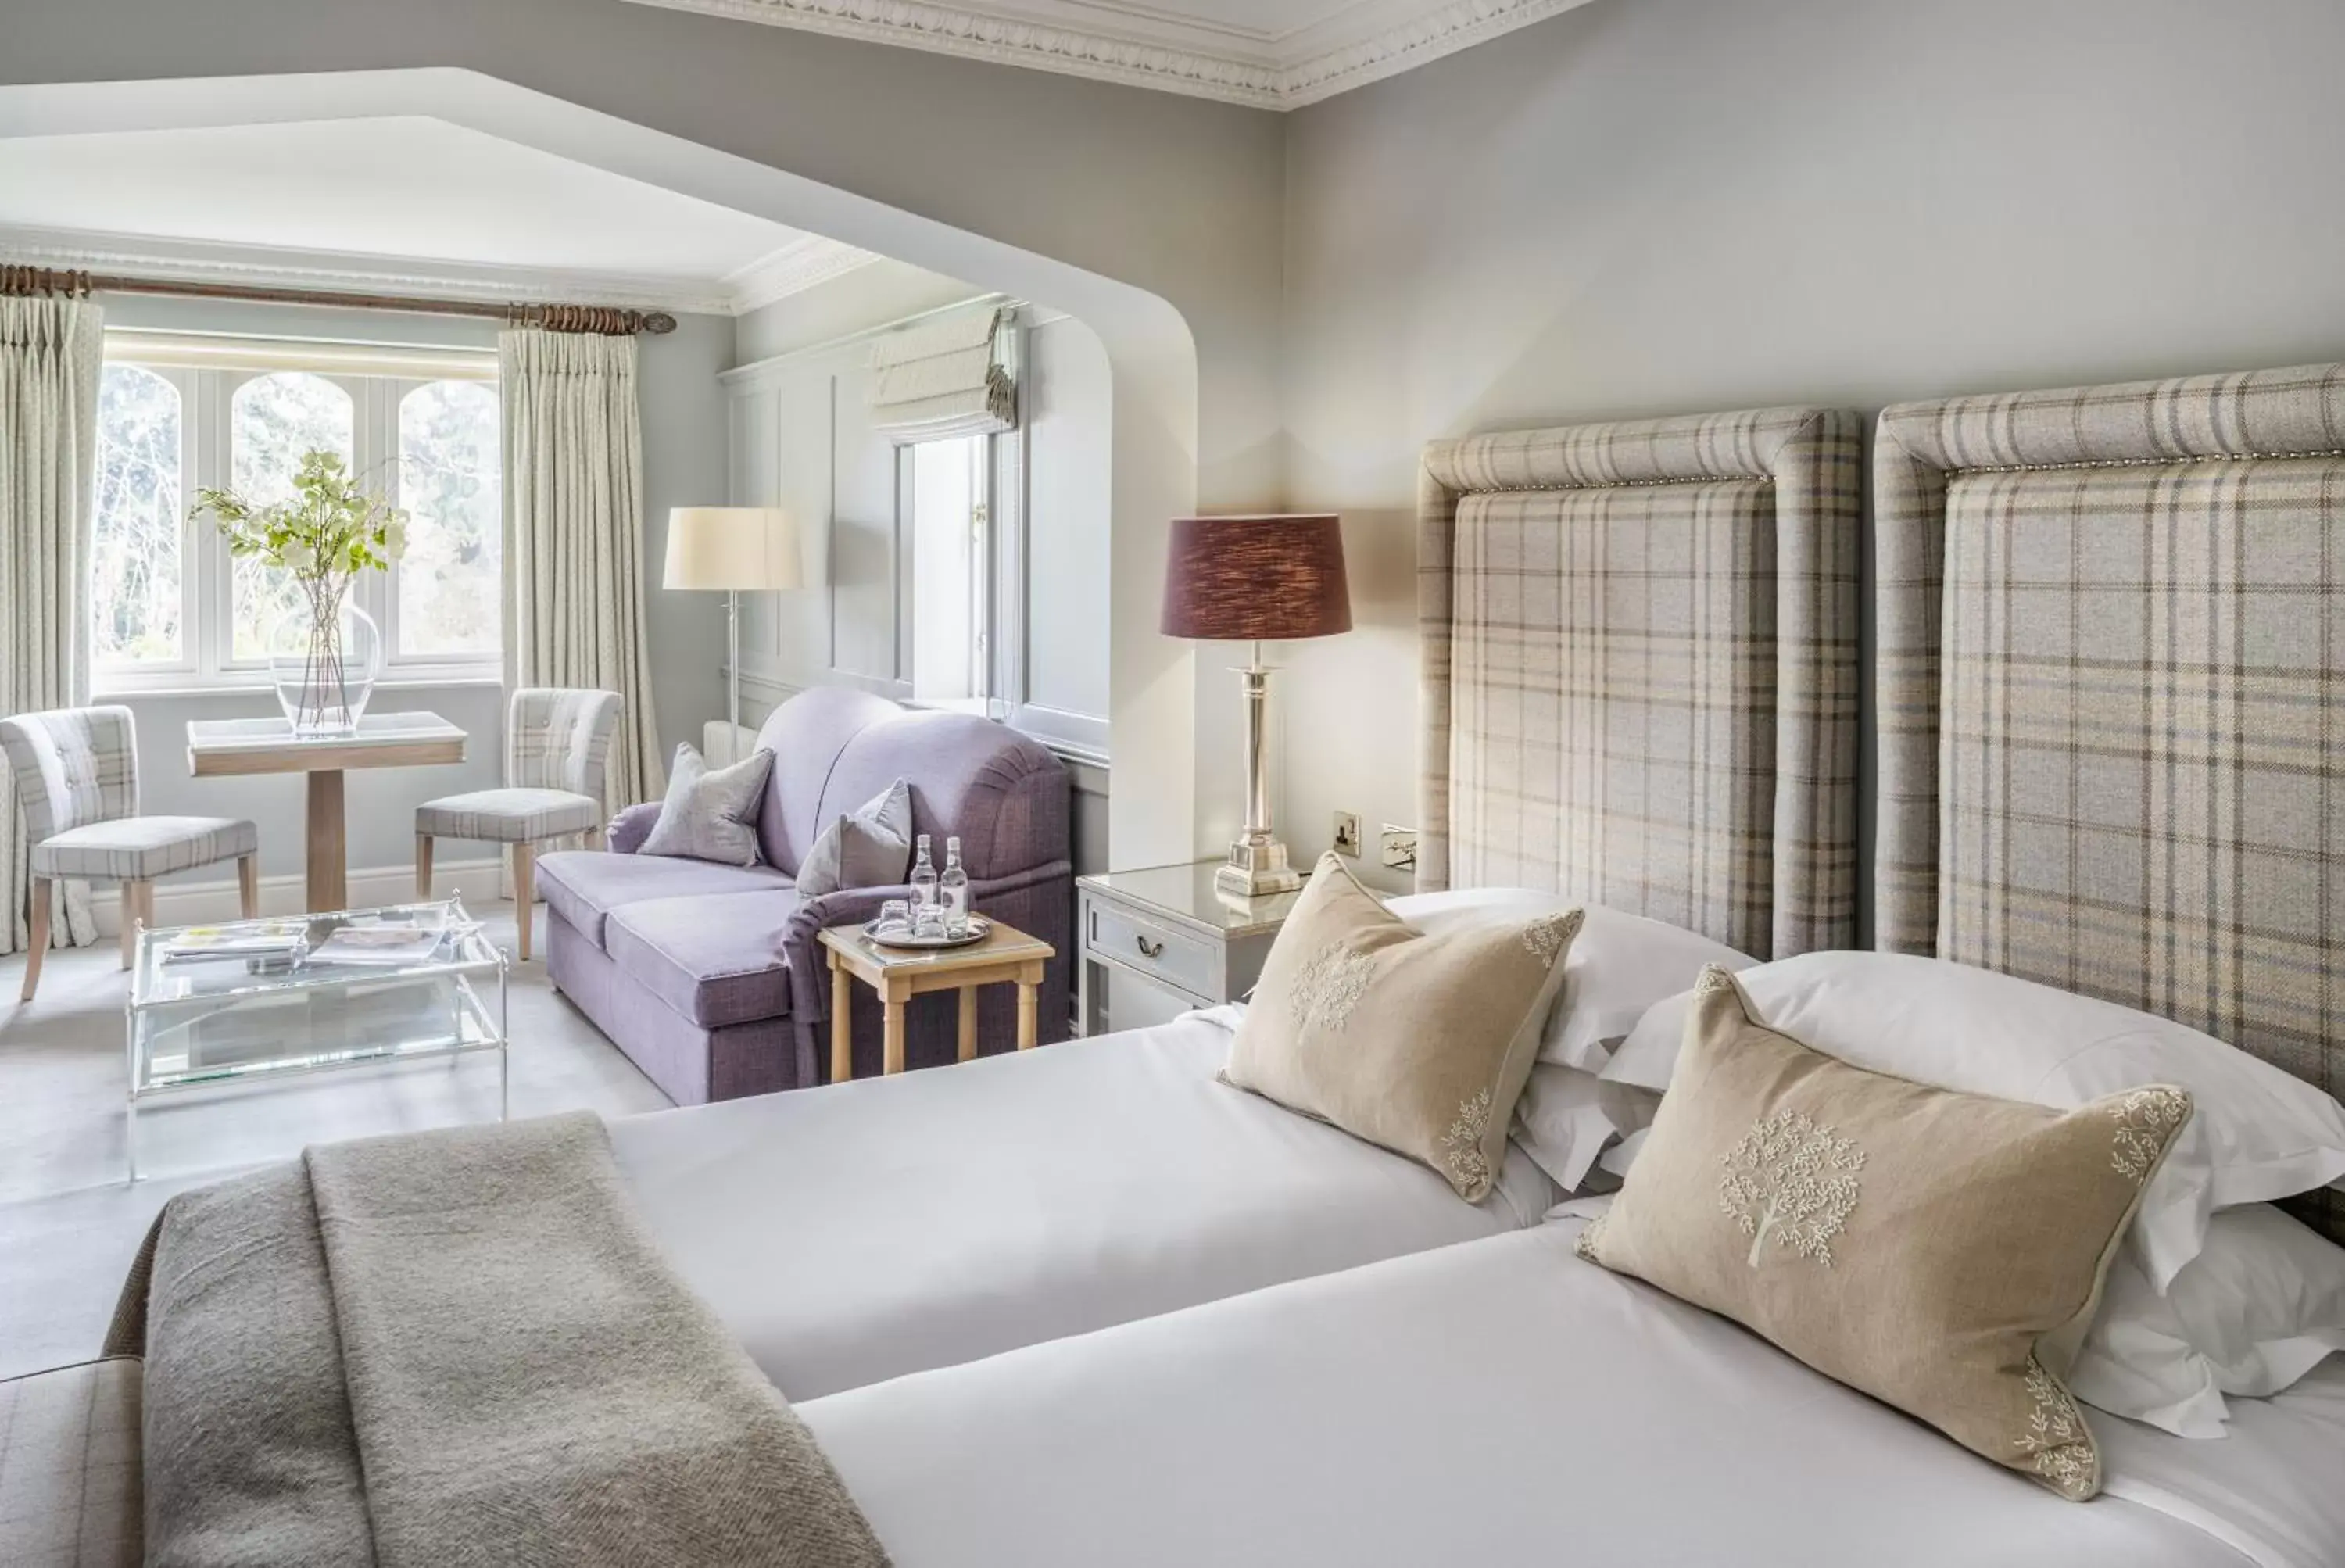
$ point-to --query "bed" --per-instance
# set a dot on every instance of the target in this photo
(2111, 632)
(1502, 1401)
(1650, 632)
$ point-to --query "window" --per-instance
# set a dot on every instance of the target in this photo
(135, 598)
(272, 420)
(946, 484)
(170, 606)
(449, 481)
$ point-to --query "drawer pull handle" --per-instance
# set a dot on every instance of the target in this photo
(1150, 949)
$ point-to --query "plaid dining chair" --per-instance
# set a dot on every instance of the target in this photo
(76, 775)
(557, 744)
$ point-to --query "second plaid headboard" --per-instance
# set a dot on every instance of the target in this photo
(2112, 696)
(1639, 669)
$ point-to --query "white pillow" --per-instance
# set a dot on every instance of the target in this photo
(2260, 1306)
(1618, 966)
(2258, 1133)
(1567, 1116)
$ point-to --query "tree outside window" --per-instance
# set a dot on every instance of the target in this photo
(135, 574)
(449, 485)
(168, 605)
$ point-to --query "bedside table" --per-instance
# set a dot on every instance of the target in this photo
(1166, 941)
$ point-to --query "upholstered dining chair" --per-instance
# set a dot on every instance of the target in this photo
(77, 774)
(557, 741)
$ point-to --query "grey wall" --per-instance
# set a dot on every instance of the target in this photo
(683, 462)
(1677, 206)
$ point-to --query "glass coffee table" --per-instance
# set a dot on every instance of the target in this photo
(258, 1000)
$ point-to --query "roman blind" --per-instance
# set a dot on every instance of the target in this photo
(944, 377)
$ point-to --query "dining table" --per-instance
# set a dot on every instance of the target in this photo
(228, 747)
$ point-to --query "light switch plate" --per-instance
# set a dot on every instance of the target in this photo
(1347, 833)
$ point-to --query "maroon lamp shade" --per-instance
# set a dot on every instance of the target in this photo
(1249, 579)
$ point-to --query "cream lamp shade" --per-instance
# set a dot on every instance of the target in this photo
(740, 548)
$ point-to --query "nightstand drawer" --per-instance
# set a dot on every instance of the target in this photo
(1186, 961)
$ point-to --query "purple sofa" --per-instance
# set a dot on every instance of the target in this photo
(711, 978)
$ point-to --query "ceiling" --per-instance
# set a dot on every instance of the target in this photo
(1271, 53)
(407, 203)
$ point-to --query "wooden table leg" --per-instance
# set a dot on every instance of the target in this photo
(1029, 982)
(892, 1032)
(842, 1035)
(329, 865)
(524, 876)
(969, 1023)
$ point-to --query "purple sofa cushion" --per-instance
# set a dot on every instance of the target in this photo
(717, 961)
(1002, 793)
(584, 886)
(806, 736)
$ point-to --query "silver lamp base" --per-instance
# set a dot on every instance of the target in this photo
(1256, 870)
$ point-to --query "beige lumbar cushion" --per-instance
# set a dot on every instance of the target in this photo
(1942, 1252)
(1420, 1044)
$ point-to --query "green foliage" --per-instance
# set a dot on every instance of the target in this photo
(327, 533)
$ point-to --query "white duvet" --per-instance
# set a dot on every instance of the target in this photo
(868, 1229)
(1503, 1402)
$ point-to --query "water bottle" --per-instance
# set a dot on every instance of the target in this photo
(953, 887)
(927, 915)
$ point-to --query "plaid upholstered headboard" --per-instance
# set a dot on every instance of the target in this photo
(1639, 669)
(2112, 696)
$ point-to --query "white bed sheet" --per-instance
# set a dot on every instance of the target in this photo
(1503, 1402)
(865, 1230)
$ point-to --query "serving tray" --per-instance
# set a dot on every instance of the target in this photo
(901, 936)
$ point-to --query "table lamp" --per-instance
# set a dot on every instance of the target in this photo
(736, 549)
(1257, 579)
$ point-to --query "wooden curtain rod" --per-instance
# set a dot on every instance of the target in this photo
(602, 318)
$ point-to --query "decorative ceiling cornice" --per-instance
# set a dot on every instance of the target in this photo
(804, 262)
(792, 268)
(1438, 30)
(1260, 70)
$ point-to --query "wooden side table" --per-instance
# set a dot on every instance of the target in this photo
(898, 974)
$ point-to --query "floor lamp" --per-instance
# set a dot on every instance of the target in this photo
(736, 549)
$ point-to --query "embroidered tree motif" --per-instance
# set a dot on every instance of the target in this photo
(1469, 1170)
(1791, 1179)
(2057, 1443)
(2147, 1119)
(1545, 938)
(1330, 983)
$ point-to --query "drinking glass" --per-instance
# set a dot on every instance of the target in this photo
(895, 916)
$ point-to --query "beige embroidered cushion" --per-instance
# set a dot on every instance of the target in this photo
(1942, 1252)
(1420, 1044)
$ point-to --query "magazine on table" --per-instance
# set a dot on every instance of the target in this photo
(251, 939)
(383, 946)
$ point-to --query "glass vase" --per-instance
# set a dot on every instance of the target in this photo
(324, 668)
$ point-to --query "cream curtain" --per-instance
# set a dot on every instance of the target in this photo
(948, 376)
(51, 355)
(575, 519)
